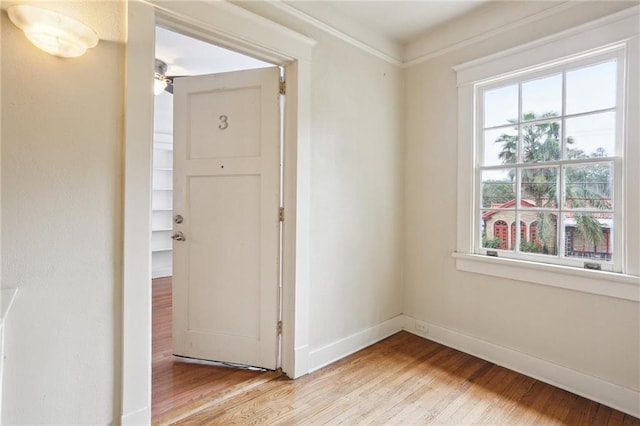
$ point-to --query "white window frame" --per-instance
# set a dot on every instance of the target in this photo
(617, 33)
(615, 52)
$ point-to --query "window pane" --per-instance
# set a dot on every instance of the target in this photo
(589, 186)
(592, 88)
(542, 98)
(500, 146)
(541, 142)
(541, 235)
(539, 187)
(501, 106)
(495, 228)
(591, 135)
(498, 187)
(588, 236)
(529, 240)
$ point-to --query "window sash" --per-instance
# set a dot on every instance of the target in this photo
(564, 66)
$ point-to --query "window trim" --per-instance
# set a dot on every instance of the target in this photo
(612, 31)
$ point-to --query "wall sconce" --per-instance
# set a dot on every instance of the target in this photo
(56, 34)
(160, 80)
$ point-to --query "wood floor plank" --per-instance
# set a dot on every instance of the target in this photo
(180, 386)
(408, 380)
(402, 380)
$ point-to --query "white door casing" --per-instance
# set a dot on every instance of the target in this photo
(227, 189)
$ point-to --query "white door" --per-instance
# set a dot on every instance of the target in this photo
(226, 189)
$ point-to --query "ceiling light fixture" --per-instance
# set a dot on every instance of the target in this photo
(160, 80)
(56, 34)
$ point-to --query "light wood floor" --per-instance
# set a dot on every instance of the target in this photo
(401, 380)
(180, 387)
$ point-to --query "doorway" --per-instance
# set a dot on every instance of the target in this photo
(182, 56)
(181, 386)
(231, 26)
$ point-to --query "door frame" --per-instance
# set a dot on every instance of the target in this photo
(228, 26)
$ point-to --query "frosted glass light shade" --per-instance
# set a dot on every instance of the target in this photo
(56, 34)
(159, 84)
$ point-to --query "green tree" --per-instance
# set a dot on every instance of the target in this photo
(497, 191)
(585, 186)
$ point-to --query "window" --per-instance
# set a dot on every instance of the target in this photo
(548, 142)
(547, 147)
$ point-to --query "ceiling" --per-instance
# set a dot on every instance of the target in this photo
(188, 56)
(396, 21)
(401, 20)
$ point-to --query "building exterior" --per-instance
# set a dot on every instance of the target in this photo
(499, 229)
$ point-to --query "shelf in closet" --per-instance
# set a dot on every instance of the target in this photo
(162, 249)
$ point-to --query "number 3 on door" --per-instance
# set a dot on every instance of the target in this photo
(224, 122)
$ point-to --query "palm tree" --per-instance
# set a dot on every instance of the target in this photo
(541, 143)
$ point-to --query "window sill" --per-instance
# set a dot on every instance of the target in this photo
(603, 283)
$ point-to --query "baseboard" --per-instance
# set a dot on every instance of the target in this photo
(607, 393)
(140, 417)
(300, 363)
(334, 351)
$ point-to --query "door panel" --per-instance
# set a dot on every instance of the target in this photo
(226, 188)
(224, 273)
(240, 138)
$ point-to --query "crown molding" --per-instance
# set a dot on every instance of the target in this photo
(429, 50)
(440, 40)
(332, 30)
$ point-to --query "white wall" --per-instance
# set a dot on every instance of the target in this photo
(356, 194)
(356, 191)
(62, 231)
(62, 139)
(595, 335)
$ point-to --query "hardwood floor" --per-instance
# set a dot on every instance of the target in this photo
(180, 387)
(401, 380)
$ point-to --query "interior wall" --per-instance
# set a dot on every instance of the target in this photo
(356, 191)
(62, 138)
(357, 196)
(592, 334)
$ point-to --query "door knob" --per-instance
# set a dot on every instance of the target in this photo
(178, 236)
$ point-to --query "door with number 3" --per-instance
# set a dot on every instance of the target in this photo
(227, 192)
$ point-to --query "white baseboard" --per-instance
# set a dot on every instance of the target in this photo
(301, 362)
(140, 417)
(332, 352)
(607, 393)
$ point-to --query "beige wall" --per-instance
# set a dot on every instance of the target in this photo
(596, 335)
(62, 192)
(356, 186)
(61, 229)
(356, 191)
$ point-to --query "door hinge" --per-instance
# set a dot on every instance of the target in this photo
(279, 328)
(283, 87)
(281, 214)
